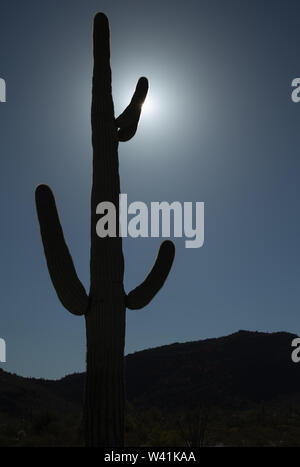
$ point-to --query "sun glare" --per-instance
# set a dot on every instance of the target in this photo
(148, 106)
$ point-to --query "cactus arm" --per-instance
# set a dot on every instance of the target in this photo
(68, 287)
(145, 292)
(128, 121)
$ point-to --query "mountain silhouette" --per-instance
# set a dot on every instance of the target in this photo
(232, 371)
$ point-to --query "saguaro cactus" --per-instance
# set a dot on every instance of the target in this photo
(105, 307)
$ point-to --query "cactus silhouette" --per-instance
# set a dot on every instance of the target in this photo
(104, 308)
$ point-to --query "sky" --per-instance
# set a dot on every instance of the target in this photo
(220, 128)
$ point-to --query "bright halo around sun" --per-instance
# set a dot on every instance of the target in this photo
(148, 107)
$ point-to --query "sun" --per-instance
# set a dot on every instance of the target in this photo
(148, 106)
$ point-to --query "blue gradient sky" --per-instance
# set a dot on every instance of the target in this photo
(223, 130)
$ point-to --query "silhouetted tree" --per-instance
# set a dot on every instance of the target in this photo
(104, 308)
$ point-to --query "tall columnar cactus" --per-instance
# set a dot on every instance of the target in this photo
(104, 307)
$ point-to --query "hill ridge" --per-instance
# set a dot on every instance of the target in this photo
(234, 370)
